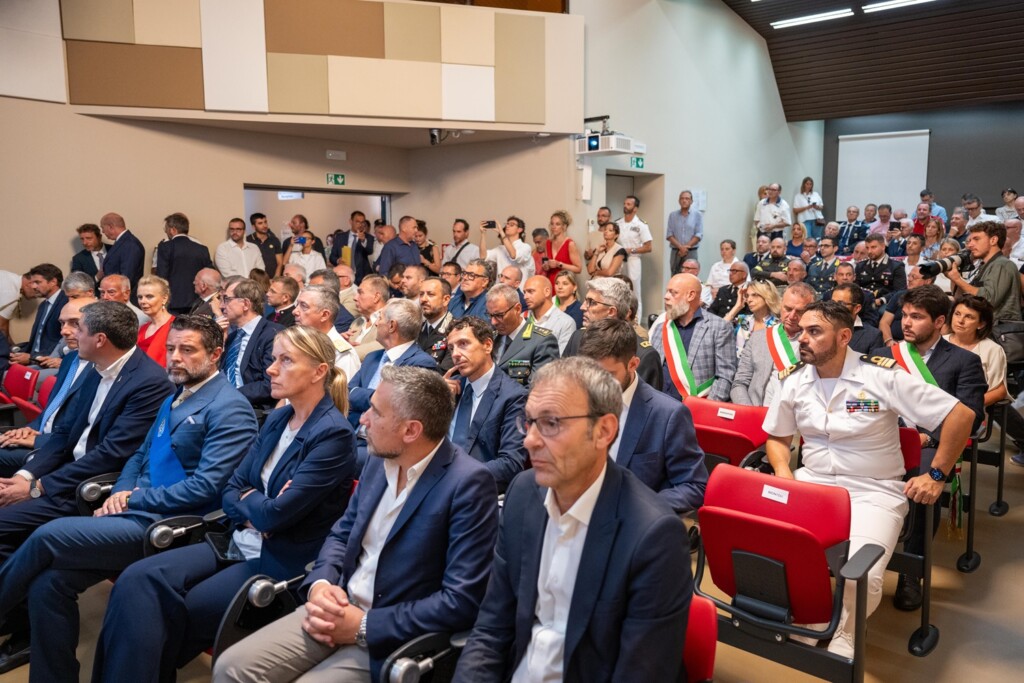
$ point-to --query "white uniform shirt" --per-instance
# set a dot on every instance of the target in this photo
(842, 436)
(360, 585)
(232, 259)
(633, 235)
(718, 275)
(560, 323)
(564, 538)
(345, 356)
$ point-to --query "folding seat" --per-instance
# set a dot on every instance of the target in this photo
(726, 432)
(701, 639)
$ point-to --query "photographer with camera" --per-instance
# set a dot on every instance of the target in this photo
(996, 279)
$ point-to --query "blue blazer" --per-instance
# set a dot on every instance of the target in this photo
(210, 432)
(344, 320)
(65, 416)
(627, 620)
(459, 307)
(126, 257)
(258, 356)
(51, 328)
(359, 392)
(320, 464)
(659, 446)
(83, 262)
(493, 436)
(120, 428)
(433, 568)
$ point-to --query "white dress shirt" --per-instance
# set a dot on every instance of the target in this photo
(471, 252)
(627, 400)
(232, 259)
(564, 538)
(361, 583)
(107, 379)
(523, 259)
(560, 323)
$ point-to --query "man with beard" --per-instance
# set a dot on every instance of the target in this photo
(697, 347)
(198, 438)
(858, 445)
(435, 294)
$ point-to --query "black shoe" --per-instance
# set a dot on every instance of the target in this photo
(1017, 459)
(908, 594)
(14, 652)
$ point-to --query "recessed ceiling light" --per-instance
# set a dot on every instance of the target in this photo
(813, 18)
(892, 4)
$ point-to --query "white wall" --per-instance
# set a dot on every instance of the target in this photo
(694, 82)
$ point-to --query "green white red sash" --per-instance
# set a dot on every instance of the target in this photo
(908, 358)
(679, 365)
(782, 351)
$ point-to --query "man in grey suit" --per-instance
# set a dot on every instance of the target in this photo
(706, 338)
(750, 385)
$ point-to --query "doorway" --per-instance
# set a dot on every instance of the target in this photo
(326, 211)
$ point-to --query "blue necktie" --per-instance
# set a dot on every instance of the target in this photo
(231, 358)
(375, 380)
(460, 433)
(44, 308)
(55, 402)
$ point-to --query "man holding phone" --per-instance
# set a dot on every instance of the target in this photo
(512, 251)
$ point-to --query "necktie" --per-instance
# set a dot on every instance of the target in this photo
(185, 393)
(385, 360)
(55, 402)
(231, 358)
(502, 342)
(99, 260)
(44, 309)
(460, 432)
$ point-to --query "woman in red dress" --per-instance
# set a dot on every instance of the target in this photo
(153, 294)
(561, 252)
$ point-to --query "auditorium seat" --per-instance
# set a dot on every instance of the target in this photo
(727, 432)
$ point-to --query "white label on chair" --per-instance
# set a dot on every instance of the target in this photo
(28, 375)
(776, 494)
(726, 414)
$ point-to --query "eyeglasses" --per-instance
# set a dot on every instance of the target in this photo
(737, 270)
(693, 268)
(547, 425)
(468, 275)
(499, 316)
(590, 302)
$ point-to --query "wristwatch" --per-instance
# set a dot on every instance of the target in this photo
(936, 474)
(361, 633)
(33, 489)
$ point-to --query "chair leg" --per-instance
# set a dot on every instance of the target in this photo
(924, 639)
(971, 560)
(1000, 507)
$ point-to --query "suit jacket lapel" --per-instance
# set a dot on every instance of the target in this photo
(197, 402)
(636, 421)
(939, 356)
(487, 403)
(251, 346)
(296, 445)
(699, 330)
(535, 522)
(435, 470)
(604, 526)
(369, 494)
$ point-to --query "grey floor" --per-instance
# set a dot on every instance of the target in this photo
(979, 614)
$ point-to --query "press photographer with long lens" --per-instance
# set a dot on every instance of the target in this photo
(995, 279)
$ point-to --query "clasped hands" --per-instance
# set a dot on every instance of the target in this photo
(330, 618)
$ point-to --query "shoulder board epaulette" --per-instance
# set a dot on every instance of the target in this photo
(542, 331)
(783, 374)
(880, 361)
(645, 344)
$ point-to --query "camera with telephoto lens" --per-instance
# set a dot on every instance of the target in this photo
(943, 265)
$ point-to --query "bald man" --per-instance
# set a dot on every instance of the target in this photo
(537, 293)
(697, 347)
(126, 256)
(347, 295)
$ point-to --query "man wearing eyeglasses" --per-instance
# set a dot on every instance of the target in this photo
(727, 295)
(521, 347)
(773, 214)
(591, 578)
(470, 299)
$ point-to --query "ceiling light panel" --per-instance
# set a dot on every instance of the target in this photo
(813, 18)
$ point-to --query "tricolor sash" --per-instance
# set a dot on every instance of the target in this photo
(679, 365)
(781, 349)
(909, 359)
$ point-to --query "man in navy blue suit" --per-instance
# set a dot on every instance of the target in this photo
(360, 243)
(489, 402)
(178, 259)
(104, 433)
(410, 555)
(46, 280)
(591, 577)
(126, 256)
(90, 259)
(397, 331)
(248, 351)
(198, 438)
(77, 373)
(656, 440)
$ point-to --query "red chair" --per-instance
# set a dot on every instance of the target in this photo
(772, 545)
(726, 432)
(701, 639)
(46, 390)
(32, 410)
(19, 382)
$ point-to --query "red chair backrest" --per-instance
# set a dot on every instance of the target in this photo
(910, 446)
(30, 410)
(701, 640)
(46, 389)
(786, 520)
(20, 382)
(727, 429)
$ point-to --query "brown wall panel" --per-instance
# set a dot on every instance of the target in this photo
(134, 75)
(346, 28)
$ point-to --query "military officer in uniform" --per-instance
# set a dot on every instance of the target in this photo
(774, 266)
(726, 296)
(878, 273)
(846, 407)
(434, 296)
(821, 271)
(521, 347)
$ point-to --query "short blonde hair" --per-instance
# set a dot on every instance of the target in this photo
(156, 281)
(768, 292)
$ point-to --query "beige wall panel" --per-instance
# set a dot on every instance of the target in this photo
(108, 20)
(297, 84)
(134, 75)
(563, 49)
(384, 87)
(347, 28)
(234, 55)
(32, 16)
(412, 32)
(32, 65)
(467, 92)
(519, 68)
(167, 22)
(467, 36)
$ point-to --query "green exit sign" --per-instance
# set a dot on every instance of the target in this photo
(636, 162)
(337, 178)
